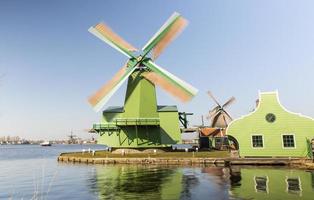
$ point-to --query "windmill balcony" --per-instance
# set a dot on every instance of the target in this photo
(126, 122)
(105, 127)
(137, 121)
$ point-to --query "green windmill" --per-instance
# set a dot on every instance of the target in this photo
(141, 122)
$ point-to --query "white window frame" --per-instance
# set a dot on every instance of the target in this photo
(295, 142)
(300, 184)
(262, 140)
(267, 180)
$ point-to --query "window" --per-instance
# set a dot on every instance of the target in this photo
(257, 141)
(270, 117)
(261, 184)
(293, 185)
(288, 141)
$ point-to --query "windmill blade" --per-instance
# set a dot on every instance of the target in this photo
(227, 114)
(214, 111)
(170, 82)
(101, 97)
(212, 114)
(229, 102)
(103, 32)
(212, 96)
(167, 86)
(173, 26)
(225, 121)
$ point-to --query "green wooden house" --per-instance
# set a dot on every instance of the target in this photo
(272, 131)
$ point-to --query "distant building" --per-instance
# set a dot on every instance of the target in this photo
(272, 131)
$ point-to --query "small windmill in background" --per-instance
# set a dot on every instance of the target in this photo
(73, 139)
(219, 117)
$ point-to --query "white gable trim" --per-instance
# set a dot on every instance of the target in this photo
(259, 103)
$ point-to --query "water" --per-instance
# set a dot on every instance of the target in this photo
(32, 172)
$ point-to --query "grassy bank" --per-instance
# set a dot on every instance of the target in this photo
(174, 155)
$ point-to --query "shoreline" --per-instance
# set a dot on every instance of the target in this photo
(186, 159)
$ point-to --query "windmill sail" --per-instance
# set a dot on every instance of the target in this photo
(173, 26)
(153, 72)
(212, 96)
(102, 96)
(104, 33)
(167, 85)
(170, 82)
(229, 102)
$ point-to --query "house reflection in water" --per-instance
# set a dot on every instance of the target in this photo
(272, 183)
(173, 182)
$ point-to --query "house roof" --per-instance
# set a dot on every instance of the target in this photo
(213, 132)
(114, 109)
(164, 108)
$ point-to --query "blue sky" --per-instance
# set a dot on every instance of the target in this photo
(51, 63)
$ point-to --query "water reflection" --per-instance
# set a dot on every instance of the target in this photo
(189, 181)
(128, 182)
(271, 183)
(312, 175)
(170, 182)
(156, 182)
(235, 176)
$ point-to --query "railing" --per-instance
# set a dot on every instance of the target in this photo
(105, 126)
(137, 121)
(115, 125)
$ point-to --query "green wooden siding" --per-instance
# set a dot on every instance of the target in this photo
(140, 123)
(286, 123)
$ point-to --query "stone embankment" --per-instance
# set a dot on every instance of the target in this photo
(126, 160)
(226, 161)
